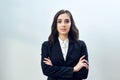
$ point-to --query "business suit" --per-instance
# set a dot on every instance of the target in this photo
(63, 69)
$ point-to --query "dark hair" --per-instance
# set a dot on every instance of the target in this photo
(73, 34)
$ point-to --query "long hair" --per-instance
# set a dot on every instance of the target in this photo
(73, 34)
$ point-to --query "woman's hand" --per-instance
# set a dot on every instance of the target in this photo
(47, 61)
(82, 63)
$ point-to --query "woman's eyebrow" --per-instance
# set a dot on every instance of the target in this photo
(67, 19)
(64, 19)
(59, 19)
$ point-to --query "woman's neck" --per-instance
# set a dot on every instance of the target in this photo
(63, 37)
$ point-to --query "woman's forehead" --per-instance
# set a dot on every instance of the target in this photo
(63, 16)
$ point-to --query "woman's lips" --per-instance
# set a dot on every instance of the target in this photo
(63, 30)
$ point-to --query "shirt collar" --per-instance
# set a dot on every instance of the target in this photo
(63, 42)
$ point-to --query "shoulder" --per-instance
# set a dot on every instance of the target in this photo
(45, 43)
(81, 42)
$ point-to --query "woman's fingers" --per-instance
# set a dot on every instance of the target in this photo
(86, 65)
(82, 57)
(47, 61)
(85, 61)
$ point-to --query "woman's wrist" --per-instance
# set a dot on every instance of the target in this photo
(75, 69)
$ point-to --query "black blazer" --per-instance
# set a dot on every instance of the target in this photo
(61, 69)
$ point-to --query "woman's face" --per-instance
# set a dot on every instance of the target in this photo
(63, 24)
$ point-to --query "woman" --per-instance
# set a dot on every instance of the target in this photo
(64, 57)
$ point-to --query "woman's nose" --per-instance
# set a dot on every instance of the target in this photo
(63, 24)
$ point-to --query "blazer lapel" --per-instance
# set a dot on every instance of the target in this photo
(69, 50)
(59, 50)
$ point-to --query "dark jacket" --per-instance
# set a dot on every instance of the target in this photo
(63, 69)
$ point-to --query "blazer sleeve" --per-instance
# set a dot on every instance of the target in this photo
(83, 73)
(54, 71)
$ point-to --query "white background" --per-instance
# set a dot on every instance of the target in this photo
(25, 24)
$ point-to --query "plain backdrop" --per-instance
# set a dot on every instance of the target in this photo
(26, 24)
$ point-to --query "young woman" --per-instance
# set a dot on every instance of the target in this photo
(63, 56)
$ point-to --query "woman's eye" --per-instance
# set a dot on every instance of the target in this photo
(67, 21)
(58, 21)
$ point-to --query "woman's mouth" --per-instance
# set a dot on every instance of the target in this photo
(63, 30)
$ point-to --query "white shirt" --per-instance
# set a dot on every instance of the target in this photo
(64, 47)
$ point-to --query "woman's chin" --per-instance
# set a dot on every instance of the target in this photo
(64, 33)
